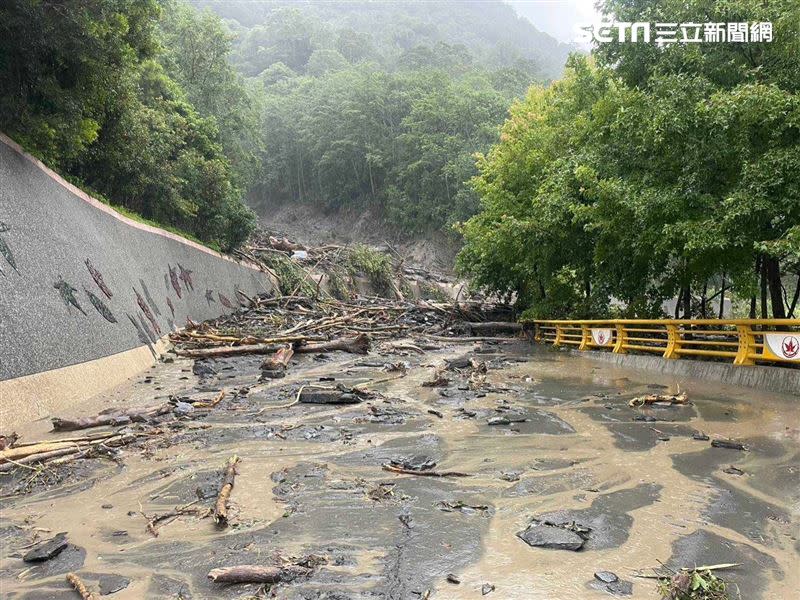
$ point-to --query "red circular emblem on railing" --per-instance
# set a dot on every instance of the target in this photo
(790, 346)
(601, 338)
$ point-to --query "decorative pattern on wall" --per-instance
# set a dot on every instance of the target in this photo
(68, 294)
(5, 250)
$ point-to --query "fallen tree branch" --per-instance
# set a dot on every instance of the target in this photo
(221, 506)
(355, 345)
(257, 574)
(403, 471)
(80, 587)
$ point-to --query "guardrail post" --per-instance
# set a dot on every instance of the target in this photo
(622, 339)
(559, 333)
(673, 341)
(586, 337)
(537, 333)
(747, 340)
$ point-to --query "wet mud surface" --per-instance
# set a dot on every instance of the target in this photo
(547, 440)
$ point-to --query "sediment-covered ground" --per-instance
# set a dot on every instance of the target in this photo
(546, 447)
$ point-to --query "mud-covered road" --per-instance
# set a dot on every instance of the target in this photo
(567, 450)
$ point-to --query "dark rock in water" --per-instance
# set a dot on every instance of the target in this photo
(110, 584)
(702, 437)
(606, 576)
(487, 588)
(617, 587)
(327, 396)
(729, 444)
(203, 369)
(645, 418)
(452, 578)
(47, 550)
(419, 462)
(460, 362)
(542, 535)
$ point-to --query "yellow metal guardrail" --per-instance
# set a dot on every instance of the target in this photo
(744, 341)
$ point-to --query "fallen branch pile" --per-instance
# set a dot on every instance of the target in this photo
(277, 325)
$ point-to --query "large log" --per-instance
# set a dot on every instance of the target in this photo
(221, 506)
(111, 418)
(256, 574)
(227, 351)
(355, 345)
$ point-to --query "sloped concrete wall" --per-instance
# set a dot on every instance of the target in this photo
(80, 282)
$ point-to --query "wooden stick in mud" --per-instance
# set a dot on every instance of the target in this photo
(355, 345)
(221, 506)
(80, 587)
(403, 471)
(256, 574)
(227, 351)
(40, 457)
(40, 448)
(217, 399)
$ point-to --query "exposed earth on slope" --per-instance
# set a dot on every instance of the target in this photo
(311, 226)
(454, 475)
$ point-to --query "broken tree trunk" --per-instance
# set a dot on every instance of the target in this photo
(275, 366)
(256, 574)
(494, 327)
(355, 345)
(221, 506)
(227, 351)
(111, 418)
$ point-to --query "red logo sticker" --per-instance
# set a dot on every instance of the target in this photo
(790, 346)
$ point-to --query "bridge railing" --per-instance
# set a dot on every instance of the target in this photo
(742, 341)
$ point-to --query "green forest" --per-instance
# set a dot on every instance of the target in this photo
(186, 116)
(635, 174)
(649, 173)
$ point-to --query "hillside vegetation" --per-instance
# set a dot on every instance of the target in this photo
(382, 105)
(651, 173)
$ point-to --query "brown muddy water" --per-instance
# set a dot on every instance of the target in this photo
(310, 482)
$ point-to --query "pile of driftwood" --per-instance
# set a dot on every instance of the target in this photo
(285, 325)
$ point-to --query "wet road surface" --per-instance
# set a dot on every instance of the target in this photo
(568, 451)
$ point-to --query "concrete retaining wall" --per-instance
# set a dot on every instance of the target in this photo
(61, 251)
(774, 379)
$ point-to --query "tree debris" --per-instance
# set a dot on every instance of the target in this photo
(257, 574)
(80, 587)
(659, 399)
(221, 505)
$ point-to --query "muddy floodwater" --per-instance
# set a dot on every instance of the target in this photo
(564, 450)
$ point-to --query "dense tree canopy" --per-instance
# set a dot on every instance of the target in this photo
(89, 87)
(650, 172)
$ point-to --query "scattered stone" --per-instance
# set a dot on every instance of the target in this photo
(510, 476)
(505, 420)
(700, 436)
(729, 444)
(645, 418)
(435, 413)
(420, 462)
(110, 584)
(453, 578)
(203, 369)
(606, 576)
(48, 549)
(731, 470)
(486, 589)
(183, 408)
(544, 535)
(107, 506)
(327, 396)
